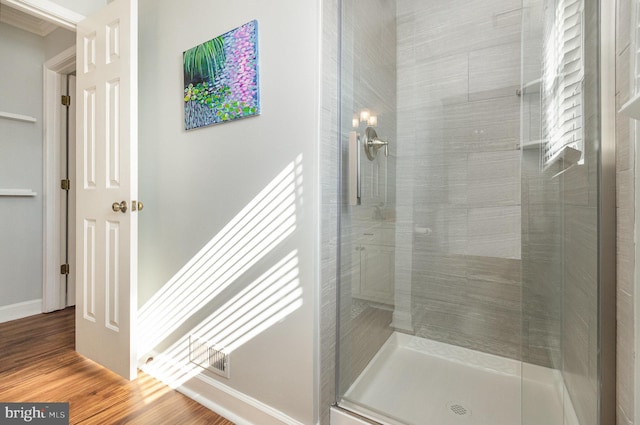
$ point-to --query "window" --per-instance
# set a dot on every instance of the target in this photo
(562, 80)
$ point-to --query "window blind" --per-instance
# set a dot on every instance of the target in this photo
(563, 77)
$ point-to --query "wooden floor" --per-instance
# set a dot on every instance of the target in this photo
(38, 364)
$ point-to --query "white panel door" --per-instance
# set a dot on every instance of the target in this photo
(106, 176)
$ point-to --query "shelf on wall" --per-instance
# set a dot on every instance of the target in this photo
(531, 144)
(632, 107)
(17, 192)
(532, 87)
(17, 117)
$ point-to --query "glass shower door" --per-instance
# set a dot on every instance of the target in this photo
(438, 225)
(469, 243)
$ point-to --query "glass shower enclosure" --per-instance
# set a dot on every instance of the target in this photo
(470, 268)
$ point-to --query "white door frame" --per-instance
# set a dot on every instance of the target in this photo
(48, 11)
(53, 294)
(55, 70)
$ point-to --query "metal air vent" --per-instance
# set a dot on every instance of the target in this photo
(204, 354)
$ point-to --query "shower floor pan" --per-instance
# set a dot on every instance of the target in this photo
(415, 381)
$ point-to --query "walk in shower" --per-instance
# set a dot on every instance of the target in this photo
(471, 283)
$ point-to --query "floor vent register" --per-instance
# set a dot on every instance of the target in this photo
(207, 356)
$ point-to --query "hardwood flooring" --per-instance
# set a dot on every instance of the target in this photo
(38, 364)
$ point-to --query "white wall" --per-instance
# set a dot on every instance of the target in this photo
(194, 183)
(23, 55)
(58, 40)
(83, 7)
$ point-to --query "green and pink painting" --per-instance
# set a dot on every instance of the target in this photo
(221, 78)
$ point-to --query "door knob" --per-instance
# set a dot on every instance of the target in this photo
(122, 207)
(136, 205)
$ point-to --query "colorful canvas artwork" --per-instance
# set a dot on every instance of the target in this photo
(221, 78)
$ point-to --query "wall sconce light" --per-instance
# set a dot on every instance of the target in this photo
(373, 121)
(364, 115)
(355, 122)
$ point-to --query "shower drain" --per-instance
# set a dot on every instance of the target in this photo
(458, 409)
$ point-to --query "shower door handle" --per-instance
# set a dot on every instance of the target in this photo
(354, 169)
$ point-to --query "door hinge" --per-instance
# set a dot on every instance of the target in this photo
(65, 184)
(65, 100)
(64, 269)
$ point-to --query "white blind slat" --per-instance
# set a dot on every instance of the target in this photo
(563, 76)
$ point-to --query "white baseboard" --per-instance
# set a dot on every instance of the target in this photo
(228, 402)
(20, 310)
(232, 404)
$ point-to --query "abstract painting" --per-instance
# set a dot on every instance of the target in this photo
(221, 78)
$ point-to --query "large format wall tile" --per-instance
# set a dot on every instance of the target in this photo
(494, 178)
(459, 125)
(368, 82)
(478, 25)
(494, 232)
(441, 80)
(482, 126)
(491, 71)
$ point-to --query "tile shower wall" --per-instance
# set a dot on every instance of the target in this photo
(368, 82)
(579, 191)
(560, 245)
(626, 212)
(541, 214)
(458, 196)
(541, 263)
(329, 161)
(459, 280)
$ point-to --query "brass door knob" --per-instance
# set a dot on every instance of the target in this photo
(136, 205)
(122, 207)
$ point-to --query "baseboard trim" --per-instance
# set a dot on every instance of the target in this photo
(20, 310)
(232, 404)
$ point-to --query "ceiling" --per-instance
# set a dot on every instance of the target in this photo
(24, 21)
